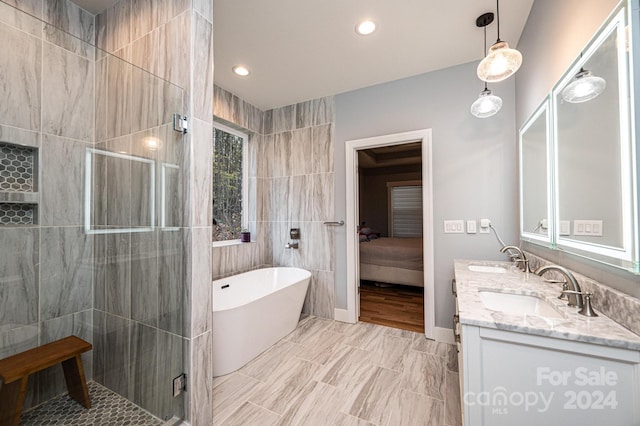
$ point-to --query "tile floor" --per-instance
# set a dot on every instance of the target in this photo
(332, 373)
(323, 373)
(107, 408)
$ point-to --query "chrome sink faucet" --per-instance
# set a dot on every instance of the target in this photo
(575, 293)
(519, 258)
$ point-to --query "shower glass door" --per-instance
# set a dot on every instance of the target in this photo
(91, 208)
(133, 211)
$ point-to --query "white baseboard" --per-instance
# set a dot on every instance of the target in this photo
(440, 334)
(341, 315)
(444, 335)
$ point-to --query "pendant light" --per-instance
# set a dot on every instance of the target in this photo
(487, 103)
(502, 61)
(583, 87)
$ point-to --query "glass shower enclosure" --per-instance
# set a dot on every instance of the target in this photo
(91, 226)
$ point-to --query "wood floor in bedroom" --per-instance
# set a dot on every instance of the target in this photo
(397, 306)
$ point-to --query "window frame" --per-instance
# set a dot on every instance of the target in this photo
(245, 176)
(390, 186)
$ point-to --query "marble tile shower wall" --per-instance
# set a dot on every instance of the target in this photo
(296, 164)
(47, 103)
(153, 293)
(290, 186)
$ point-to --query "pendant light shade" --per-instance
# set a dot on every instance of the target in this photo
(583, 87)
(501, 62)
(486, 105)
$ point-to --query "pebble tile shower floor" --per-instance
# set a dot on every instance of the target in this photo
(107, 408)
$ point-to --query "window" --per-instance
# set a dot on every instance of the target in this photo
(405, 209)
(230, 183)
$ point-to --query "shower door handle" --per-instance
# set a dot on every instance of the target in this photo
(339, 223)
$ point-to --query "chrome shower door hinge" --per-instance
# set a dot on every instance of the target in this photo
(180, 123)
(179, 384)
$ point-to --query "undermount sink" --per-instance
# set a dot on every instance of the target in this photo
(518, 304)
(487, 268)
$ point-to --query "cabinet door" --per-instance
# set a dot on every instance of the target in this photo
(513, 378)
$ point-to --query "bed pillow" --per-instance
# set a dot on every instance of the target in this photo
(369, 233)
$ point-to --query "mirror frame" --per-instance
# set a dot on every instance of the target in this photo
(626, 257)
(543, 110)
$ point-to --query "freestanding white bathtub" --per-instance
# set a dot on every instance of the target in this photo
(252, 311)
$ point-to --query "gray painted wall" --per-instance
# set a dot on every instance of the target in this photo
(553, 37)
(555, 33)
(474, 163)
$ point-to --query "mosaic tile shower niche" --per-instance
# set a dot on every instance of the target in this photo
(18, 185)
(17, 165)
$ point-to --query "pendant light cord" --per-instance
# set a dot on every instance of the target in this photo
(484, 50)
(498, 13)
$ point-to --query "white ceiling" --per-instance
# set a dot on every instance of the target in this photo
(305, 49)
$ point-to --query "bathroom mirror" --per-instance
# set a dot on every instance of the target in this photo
(579, 172)
(592, 141)
(535, 208)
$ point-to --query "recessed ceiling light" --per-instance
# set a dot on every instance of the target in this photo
(240, 70)
(365, 27)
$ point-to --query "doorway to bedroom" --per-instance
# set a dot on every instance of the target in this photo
(390, 236)
(389, 228)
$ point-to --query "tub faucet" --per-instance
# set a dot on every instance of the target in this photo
(575, 293)
(291, 245)
(519, 258)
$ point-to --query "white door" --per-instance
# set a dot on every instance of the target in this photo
(357, 243)
(352, 249)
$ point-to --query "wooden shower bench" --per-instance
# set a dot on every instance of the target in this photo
(16, 369)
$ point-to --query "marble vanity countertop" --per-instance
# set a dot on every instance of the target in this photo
(572, 326)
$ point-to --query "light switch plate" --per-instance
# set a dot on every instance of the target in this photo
(471, 227)
(454, 226)
(591, 228)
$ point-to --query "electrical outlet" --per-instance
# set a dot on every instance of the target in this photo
(179, 384)
(544, 224)
(565, 227)
(484, 226)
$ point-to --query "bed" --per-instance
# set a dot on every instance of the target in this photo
(392, 260)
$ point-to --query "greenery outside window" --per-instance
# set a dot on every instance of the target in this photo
(230, 183)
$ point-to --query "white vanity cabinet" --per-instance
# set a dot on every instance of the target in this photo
(512, 378)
